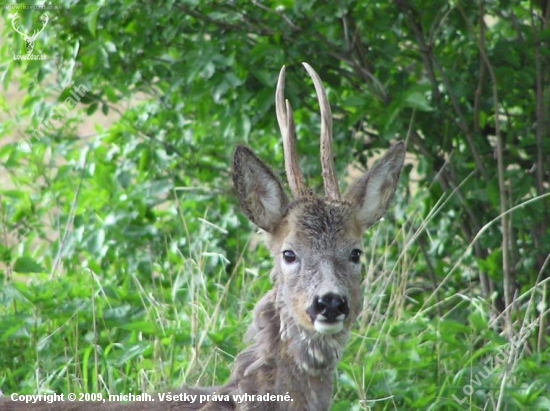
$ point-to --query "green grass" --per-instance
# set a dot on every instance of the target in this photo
(120, 332)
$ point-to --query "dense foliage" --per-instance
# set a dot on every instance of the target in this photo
(126, 266)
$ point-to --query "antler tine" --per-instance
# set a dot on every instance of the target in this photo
(286, 125)
(14, 18)
(327, 162)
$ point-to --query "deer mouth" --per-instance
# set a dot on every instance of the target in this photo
(327, 326)
(328, 312)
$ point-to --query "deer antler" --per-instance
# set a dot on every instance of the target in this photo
(44, 20)
(286, 125)
(13, 19)
(327, 162)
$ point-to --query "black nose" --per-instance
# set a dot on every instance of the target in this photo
(330, 306)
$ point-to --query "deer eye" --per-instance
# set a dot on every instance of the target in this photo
(355, 256)
(289, 256)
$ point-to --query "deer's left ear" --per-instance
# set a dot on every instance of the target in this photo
(371, 195)
(260, 192)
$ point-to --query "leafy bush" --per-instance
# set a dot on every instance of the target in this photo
(126, 267)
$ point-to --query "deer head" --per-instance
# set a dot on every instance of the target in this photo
(316, 242)
(29, 40)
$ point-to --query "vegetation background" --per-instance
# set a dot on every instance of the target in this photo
(125, 265)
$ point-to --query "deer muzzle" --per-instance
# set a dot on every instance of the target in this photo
(328, 312)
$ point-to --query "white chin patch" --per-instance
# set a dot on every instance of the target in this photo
(325, 327)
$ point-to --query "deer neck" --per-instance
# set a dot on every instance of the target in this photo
(280, 343)
(312, 352)
(285, 359)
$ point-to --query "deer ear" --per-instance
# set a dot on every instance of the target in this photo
(371, 195)
(260, 192)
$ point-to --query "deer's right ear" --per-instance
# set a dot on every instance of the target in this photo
(260, 192)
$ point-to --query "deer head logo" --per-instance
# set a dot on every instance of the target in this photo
(29, 39)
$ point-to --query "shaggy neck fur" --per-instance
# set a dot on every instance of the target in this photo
(284, 358)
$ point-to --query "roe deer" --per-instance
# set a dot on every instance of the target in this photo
(300, 327)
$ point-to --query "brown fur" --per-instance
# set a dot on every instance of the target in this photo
(295, 345)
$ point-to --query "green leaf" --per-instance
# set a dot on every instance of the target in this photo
(110, 46)
(92, 13)
(341, 406)
(27, 265)
(5, 254)
(145, 327)
(418, 101)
